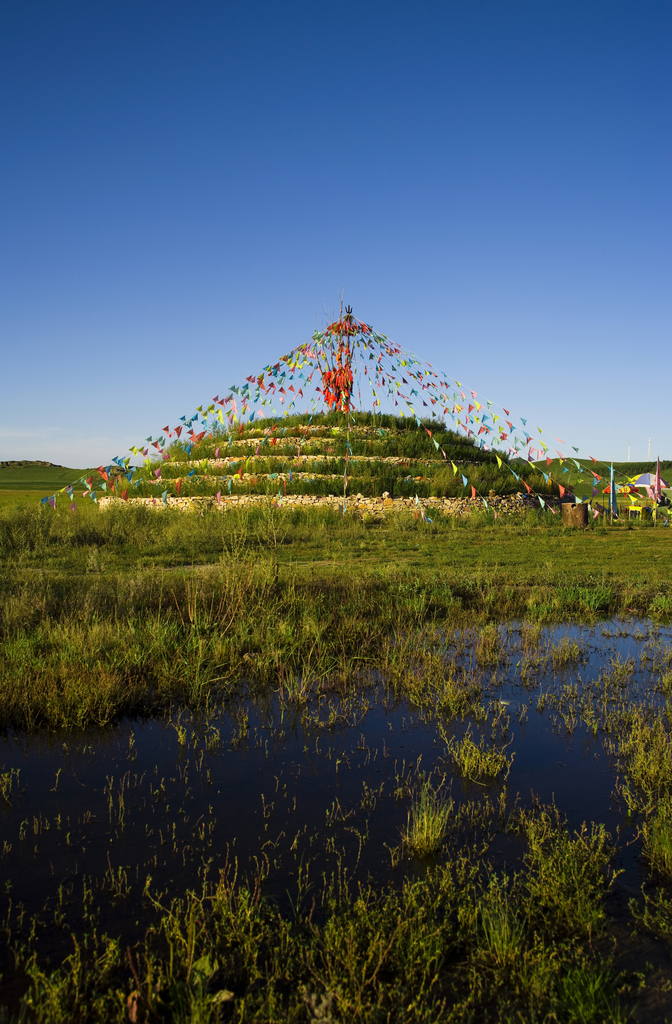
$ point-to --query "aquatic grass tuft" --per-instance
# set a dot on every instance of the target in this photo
(646, 747)
(657, 834)
(8, 779)
(488, 648)
(503, 933)
(427, 821)
(569, 874)
(655, 915)
(661, 607)
(565, 652)
(477, 761)
(587, 995)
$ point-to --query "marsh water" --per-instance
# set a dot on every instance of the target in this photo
(291, 786)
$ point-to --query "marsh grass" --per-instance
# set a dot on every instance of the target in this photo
(657, 835)
(661, 607)
(645, 748)
(140, 613)
(520, 936)
(653, 913)
(488, 647)
(504, 936)
(568, 875)
(82, 647)
(566, 652)
(587, 994)
(428, 820)
(427, 681)
(478, 761)
(460, 937)
(127, 612)
(8, 780)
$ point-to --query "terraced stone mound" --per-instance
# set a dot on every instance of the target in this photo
(364, 463)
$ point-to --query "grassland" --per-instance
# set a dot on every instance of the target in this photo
(491, 910)
(24, 482)
(122, 612)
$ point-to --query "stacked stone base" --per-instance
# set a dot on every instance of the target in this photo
(376, 507)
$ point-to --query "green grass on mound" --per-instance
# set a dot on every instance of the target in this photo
(258, 458)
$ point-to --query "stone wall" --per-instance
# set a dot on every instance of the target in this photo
(507, 504)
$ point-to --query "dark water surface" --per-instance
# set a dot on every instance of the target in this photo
(299, 788)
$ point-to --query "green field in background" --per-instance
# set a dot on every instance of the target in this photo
(23, 485)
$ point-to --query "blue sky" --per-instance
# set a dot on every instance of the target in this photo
(186, 188)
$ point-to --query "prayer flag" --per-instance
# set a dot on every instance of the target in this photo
(613, 504)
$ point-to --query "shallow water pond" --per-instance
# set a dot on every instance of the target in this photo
(316, 778)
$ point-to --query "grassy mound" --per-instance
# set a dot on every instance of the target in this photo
(302, 455)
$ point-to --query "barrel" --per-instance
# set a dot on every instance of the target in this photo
(574, 515)
(580, 515)
(567, 509)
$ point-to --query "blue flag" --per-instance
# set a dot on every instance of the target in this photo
(613, 504)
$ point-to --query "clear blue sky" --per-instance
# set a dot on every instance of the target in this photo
(186, 186)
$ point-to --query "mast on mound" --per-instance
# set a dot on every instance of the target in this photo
(337, 372)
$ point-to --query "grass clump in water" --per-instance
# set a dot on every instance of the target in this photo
(503, 937)
(568, 874)
(647, 749)
(428, 821)
(657, 833)
(588, 995)
(477, 762)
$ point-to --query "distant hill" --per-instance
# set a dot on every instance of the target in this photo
(32, 475)
(29, 462)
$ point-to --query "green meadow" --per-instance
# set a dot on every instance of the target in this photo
(289, 765)
(23, 483)
(103, 594)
